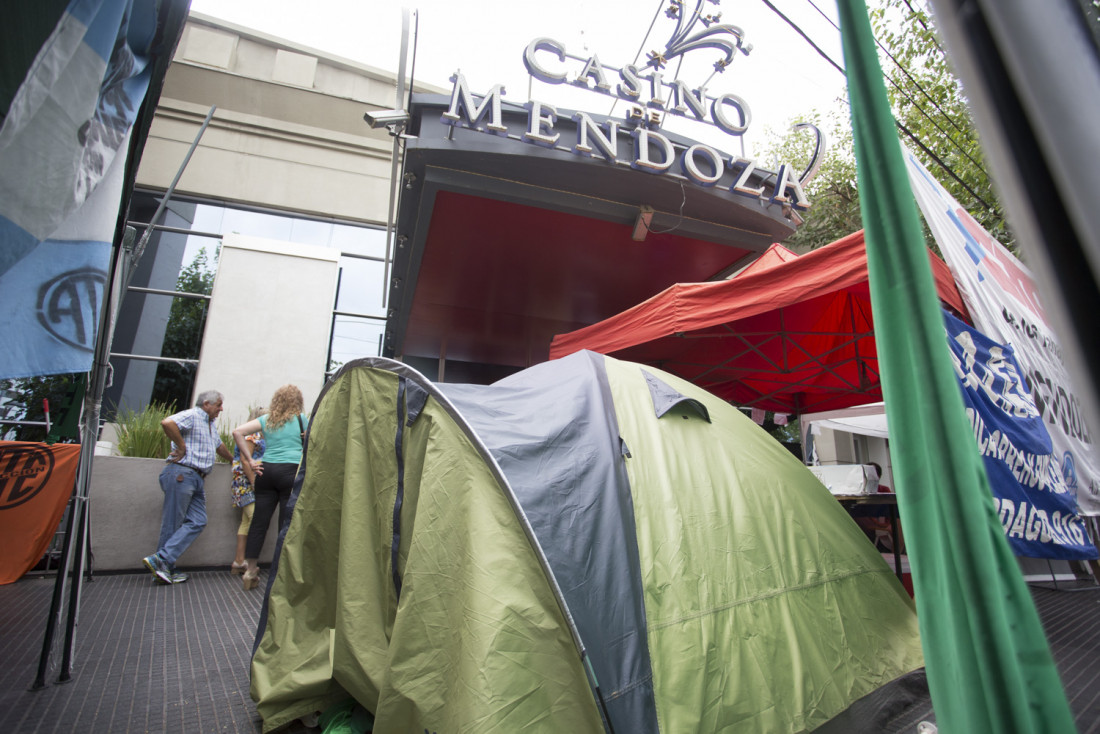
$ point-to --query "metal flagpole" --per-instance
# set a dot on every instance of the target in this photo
(72, 555)
(396, 132)
(98, 380)
(75, 555)
(139, 249)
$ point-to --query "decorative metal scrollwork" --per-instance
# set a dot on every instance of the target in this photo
(729, 39)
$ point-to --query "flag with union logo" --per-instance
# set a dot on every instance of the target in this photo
(63, 152)
(1036, 507)
(36, 482)
(1003, 299)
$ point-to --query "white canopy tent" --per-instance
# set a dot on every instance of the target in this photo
(865, 420)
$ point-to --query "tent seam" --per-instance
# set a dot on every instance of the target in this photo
(618, 692)
(781, 592)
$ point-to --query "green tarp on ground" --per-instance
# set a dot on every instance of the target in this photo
(476, 558)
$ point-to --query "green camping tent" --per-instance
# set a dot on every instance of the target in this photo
(466, 558)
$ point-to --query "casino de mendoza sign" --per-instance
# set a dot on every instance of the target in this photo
(638, 140)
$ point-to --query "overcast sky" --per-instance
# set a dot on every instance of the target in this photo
(780, 79)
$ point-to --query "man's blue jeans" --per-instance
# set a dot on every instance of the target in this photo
(184, 514)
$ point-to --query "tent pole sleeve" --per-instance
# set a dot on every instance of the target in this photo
(599, 693)
(403, 370)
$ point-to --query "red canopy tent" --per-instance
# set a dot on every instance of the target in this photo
(790, 333)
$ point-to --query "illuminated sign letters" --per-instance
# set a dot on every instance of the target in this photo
(650, 98)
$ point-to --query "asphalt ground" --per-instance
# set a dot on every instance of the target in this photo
(154, 658)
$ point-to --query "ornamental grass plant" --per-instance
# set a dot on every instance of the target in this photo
(140, 434)
(225, 430)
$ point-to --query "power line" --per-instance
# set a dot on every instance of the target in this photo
(641, 46)
(808, 40)
(909, 133)
(937, 126)
(922, 90)
(942, 165)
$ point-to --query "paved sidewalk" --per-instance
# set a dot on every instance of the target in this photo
(174, 659)
(149, 657)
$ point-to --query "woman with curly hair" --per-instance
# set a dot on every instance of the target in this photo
(283, 428)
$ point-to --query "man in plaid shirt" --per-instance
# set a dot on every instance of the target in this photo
(195, 443)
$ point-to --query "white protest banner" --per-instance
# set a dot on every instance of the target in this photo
(1004, 303)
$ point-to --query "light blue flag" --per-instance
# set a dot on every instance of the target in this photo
(63, 151)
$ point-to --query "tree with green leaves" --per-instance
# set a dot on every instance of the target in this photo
(834, 210)
(786, 433)
(183, 337)
(930, 107)
(933, 120)
(29, 405)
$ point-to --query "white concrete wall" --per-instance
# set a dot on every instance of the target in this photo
(269, 321)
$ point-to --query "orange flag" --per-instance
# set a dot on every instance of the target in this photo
(36, 481)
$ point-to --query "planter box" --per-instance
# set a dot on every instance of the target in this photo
(125, 500)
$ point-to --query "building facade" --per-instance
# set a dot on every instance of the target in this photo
(286, 158)
(512, 221)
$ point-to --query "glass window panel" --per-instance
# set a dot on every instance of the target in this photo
(361, 283)
(142, 206)
(179, 214)
(359, 240)
(360, 286)
(255, 224)
(208, 218)
(197, 242)
(309, 232)
(353, 338)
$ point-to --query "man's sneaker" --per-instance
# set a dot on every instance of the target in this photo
(158, 568)
(178, 577)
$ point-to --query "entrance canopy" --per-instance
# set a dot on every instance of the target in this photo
(791, 334)
(501, 244)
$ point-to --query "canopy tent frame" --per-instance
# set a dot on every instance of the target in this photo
(782, 335)
(784, 369)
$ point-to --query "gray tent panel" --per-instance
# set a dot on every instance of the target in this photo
(567, 471)
(665, 398)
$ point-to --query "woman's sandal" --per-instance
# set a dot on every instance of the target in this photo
(250, 581)
(235, 568)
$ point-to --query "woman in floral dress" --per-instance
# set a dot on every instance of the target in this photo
(243, 496)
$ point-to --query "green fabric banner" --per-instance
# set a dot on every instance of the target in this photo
(989, 665)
